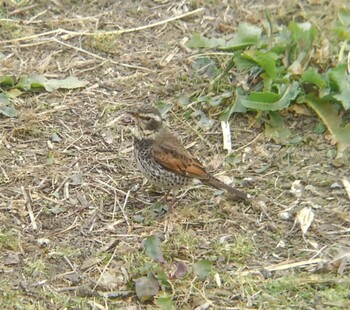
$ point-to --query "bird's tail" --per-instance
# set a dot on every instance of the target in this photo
(214, 182)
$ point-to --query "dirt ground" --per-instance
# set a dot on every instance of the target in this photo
(74, 211)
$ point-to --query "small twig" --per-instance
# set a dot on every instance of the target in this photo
(55, 109)
(42, 196)
(136, 67)
(67, 229)
(338, 232)
(105, 268)
(72, 143)
(4, 174)
(116, 202)
(66, 20)
(62, 184)
(122, 31)
(35, 36)
(24, 9)
(36, 16)
(319, 252)
(69, 34)
(69, 263)
(249, 143)
(28, 202)
(108, 186)
(95, 305)
(84, 51)
(295, 264)
(122, 209)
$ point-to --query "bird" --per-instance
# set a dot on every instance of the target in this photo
(162, 158)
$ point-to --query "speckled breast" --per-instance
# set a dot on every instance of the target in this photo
(152, 170)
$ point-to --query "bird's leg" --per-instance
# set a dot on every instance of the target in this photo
(161, 206)
(172, 202)
(166, 195)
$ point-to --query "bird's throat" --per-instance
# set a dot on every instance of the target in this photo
(141, 133)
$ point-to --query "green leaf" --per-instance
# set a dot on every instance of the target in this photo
(6, 81)
(50, 158)
(28, 82)
(246, 35)
(243, 63)
(146, 288)
(204, 121)
(33, 82)
(266, 97)
(303, 34)
(202, 269)
(319, 128)
(13, 93)
(4, 99)
(70, 82)
(267, 101)
(205, 66)
(6, 107)
(197, 41)
(312, 76)
(162, 278)
(236, 106)
(344, 17)
(266, 60)
(281, 40)
(183, 100)
(163, 107)
(328, 113)
(342, 25)
(159, 208)
(341, 78)
(276, 129)
(165, 302)
(220, 98)
(153, 248)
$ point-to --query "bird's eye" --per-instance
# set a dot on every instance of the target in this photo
(146, 118)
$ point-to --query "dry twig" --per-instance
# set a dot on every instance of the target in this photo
(28, 203)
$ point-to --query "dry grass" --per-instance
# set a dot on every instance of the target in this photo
(73, 216)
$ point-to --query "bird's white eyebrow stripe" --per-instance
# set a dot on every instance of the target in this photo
(157, 118)
(153, 116)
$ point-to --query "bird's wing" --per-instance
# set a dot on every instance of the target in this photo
(174, 157)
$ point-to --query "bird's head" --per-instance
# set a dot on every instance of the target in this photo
(148, 121)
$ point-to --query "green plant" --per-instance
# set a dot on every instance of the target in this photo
(11, 89)
(278, 66)
(153, 280)
(8, 241)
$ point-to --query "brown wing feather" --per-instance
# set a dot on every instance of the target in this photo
(173, 156)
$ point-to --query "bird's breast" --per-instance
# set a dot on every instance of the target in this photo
(156, 173)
